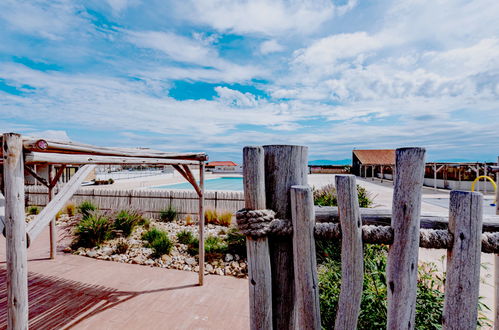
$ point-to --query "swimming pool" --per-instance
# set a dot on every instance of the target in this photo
(223, 183)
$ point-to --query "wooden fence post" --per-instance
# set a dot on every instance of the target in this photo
(463, 261)
(285, 166)
(352, 257)
(308, 312)
(402, 268)
(15, 225)
(259, 273)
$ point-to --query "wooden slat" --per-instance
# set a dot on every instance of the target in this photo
(308, 313)
(16, 252)
(259, 272)
(76, 159)
(352, 258)
(402, 268)
(71, 147)
(285, 166)
(463, 261)
(36, 226)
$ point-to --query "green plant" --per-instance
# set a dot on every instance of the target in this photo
(70, 209)
(225, 219)
(126, 221)
(86, 208)
(236, 242)
(214, 247)
(33, 210)
(327, 196)
(169, 214)
(185, 237)
(92, 230)
(159, 241)
(430, 295)
(121, 247)
(211, 216)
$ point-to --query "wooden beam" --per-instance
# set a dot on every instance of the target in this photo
(15, 225)
(201, 225)
(383, 217)
(36, 226)
(52, 226)
(188, 177)
(192, 180)
(79, 148)
(57, 176)
(2, 212)
(58, 158)
(36, 176)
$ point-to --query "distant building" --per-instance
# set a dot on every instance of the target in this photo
(224, 167)
(370, 162)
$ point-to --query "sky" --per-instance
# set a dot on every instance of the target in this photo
(215, 76)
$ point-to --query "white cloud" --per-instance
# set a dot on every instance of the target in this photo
(270, 46)
(267, 17)
(233, 97)
(118, 6)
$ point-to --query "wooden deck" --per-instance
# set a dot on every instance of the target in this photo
(84, 293)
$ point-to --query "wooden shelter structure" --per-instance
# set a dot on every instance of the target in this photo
(374, 159)
(20, 154)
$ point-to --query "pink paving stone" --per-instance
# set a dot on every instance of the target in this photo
(83, 293)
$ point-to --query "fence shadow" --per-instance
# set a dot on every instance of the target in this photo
(56, 303)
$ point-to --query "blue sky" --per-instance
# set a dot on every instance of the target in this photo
(218, 75)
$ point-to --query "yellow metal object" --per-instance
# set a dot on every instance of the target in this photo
(484, 177)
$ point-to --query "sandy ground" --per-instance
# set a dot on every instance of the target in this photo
(432, 201)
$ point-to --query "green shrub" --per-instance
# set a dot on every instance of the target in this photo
(121, 247)
(327, 196)
(126, 221)
(92, 230)
(168, 215)
(33, 210)
(214, 247)
(185, 237)
(236, 242)
(158, 241)
(430, 295)
(86, 208)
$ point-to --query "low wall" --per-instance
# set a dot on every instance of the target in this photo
(150, 202)
(459, 185)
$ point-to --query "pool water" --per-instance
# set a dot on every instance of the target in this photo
(223, 183)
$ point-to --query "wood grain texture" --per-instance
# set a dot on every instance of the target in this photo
(259, 271)
(40, 222)
(463, 261)
(308, 313)
(352, 257)
(201, 223)
(496, 264)
(16, 250)
(55, 158)
(285, 166)
(52, 227)
(402, 268)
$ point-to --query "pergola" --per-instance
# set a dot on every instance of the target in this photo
(20, 154)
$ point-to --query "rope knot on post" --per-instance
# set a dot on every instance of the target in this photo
(260, 223)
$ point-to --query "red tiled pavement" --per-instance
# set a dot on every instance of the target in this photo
(83, 293)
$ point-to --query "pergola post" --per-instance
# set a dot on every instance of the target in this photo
(52, 227)
(201, 223)
(15, 227)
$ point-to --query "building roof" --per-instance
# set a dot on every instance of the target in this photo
(376, 157)
(221, 163)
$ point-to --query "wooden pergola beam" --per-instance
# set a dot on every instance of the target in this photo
(75, 159)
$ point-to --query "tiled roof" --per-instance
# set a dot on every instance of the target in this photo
(376, 157)
(223, 163)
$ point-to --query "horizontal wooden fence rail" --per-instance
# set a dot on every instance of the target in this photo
(151, 202)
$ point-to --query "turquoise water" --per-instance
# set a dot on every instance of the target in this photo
(224, 183)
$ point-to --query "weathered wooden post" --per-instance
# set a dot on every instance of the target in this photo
(285, 166)
(402, 268)
(308, 313)
(201, 224)
(259, 273)
(463, 261)
(15, 225)
(52, 227)
(352, 257)
(496, 262)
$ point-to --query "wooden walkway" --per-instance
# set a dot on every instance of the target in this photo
(83, 293)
